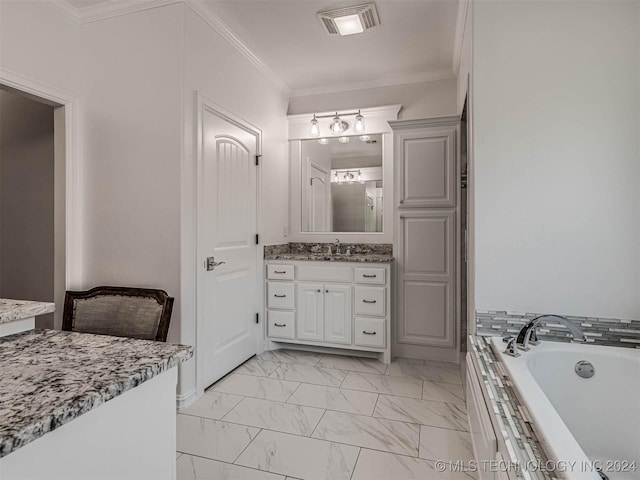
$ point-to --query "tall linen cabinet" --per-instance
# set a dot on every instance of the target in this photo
(426, 201)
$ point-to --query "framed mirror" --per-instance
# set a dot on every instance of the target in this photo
(342, 184)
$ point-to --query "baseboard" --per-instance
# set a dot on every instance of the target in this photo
(186, 399)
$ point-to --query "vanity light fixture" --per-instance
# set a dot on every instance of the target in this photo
(338, 126)
(364, 138)
(315, 128)
(343, 139)
(323, 141)
(347, 176)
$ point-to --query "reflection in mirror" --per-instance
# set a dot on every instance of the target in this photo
(342, 184)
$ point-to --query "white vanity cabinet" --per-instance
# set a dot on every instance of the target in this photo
(329, 304)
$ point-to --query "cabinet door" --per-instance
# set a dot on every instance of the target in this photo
(309, 311)
(337, 313)
(426, 159)
(426, 278)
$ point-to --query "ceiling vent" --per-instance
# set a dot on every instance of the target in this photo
(367, 13)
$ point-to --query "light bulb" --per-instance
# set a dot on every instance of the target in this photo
(336, 125)
(323, 141)
(360, 177)
(343, 139)
(315, 128)
(364, 138)
(339, 178)
(336, 178)
(359, 125)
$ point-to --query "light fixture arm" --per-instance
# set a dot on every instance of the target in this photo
(339, 114)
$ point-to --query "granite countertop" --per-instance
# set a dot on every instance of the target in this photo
(514, 421)
(317, 252)
(318, 257)
(49, 378)
(12, 310)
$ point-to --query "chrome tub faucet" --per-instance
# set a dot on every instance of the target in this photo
(527, 335)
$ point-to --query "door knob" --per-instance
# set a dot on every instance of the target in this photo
(210, 264)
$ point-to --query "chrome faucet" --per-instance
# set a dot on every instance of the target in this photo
(337, 245)
(527, 335)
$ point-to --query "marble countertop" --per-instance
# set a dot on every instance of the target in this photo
(49, 378)
(523, 446)
(319, 257)
(12, 310)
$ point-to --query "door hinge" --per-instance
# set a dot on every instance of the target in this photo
(258, 159)
(257, 318)
(257, 239)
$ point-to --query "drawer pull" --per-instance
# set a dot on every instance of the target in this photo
(279, 271)
(369, 276)
(279, 324)
(369, 301)
(279, 296)
(368, 333)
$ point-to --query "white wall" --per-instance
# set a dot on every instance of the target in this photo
(26, 201)
(557, 157)
(419, 100)
(131, 105)
(216, 70)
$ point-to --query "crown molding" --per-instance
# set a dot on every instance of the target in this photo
(115, 8)
(103, 11)
(214, 21)
(461, 20)
(430, 76)
(424, 122)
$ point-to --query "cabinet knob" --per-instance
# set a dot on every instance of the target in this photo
(319, 291)
(326, 291)
(401, 201)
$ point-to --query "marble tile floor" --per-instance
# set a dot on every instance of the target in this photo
(298, 415)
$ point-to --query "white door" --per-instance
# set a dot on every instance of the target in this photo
(337, 314)
(227, 289)
(309, 311)
(320, 199)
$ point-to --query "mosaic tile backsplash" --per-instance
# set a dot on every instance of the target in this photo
(600, 331)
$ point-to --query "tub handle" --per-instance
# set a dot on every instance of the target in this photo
(512, 348)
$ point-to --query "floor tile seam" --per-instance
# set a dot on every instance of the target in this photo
(356, 463)
(232, 464)
(369, 448)
(256, 436)
(422, 379)
(341, 443)
(420, 424)
(265, 428)
(379, 393)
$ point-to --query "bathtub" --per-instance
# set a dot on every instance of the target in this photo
(581, 422)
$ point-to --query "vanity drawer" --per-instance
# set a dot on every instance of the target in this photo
(280, 295)
(370, 301)
(374, 276)
(369, 332)
(280, 272)
(324, 273)
(280, 324)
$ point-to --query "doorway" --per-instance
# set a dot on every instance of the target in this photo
(32, 200)
(228, 279)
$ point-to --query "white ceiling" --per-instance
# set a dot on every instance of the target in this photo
(415, 41)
